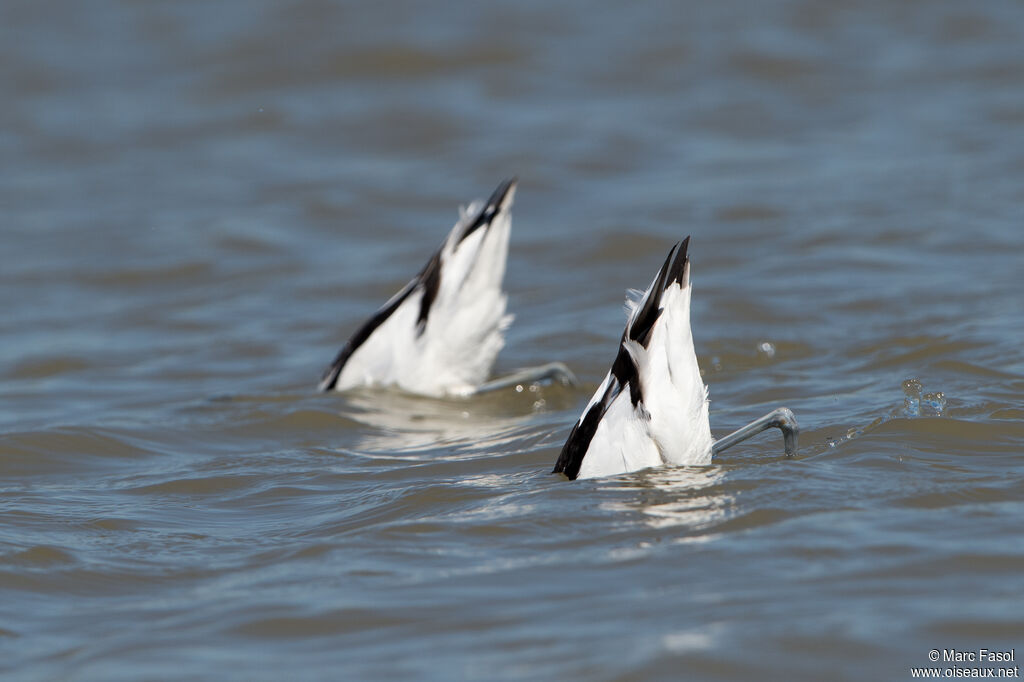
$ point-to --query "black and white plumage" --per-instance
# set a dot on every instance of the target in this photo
(442, 332)
(652, 407)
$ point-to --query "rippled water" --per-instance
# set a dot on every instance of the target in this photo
(201, 200)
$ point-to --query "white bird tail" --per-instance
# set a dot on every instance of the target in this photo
(652, 406)
(441, 333)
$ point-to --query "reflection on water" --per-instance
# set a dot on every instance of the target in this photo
(410, 426)
(684, 498)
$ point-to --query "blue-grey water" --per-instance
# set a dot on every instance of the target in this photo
(199, 201)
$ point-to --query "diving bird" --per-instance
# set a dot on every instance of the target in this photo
(652, 407)
(441, 333)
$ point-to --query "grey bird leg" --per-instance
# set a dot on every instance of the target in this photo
(781, 418)
(553, 371)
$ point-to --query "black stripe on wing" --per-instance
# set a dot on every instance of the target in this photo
(624, 371)
(428, 279)
(570, 459)
(431, 275)
(624, 374)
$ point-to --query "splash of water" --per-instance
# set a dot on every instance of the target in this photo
(916, 403)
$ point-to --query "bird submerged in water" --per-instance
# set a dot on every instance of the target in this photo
(652, 407)
(441, 333)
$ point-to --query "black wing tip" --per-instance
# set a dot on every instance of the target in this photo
(498, 196)
(648, 314)
(679, 262)
(326, 384)
(673, 270)
(329, 379)
(500, 200)
(562, 466)
(570, 459)
(501, 197)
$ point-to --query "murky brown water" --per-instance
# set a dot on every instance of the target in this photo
(200, 200)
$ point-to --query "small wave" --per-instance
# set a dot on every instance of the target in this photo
(65, 450)
(49, 366)
(39, 556)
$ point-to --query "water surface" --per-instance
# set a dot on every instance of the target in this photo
(202, 200)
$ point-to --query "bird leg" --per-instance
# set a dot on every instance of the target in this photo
(553, 371)
(781, 418)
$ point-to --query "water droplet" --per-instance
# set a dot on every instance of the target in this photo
(936, 402)
(766, 348)
(912, 398)
(519, 388)
(912, 386)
